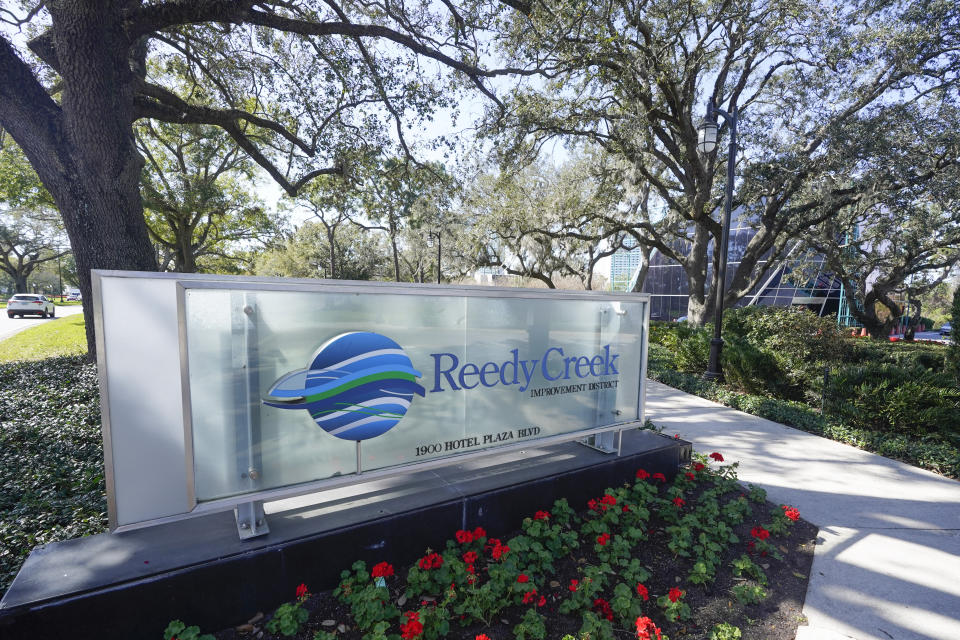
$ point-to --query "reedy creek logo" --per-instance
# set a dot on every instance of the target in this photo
(360, 384)
(552, 366)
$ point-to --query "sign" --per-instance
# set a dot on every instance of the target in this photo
(290, 386)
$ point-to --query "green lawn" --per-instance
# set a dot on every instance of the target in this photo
(63, 337)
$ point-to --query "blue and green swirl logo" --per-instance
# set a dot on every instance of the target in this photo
(358, 386)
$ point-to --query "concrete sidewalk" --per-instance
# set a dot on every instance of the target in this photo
(887, 564)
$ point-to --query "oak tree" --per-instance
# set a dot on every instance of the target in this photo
(806, 77)
(292, 82)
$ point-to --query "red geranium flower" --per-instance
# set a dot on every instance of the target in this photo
(679, 502)
(529, 596)
(608, 499)
(699, 466)
(499, 550)
(716, 456)
(626, 508)
(413, 627)
(642, 474)
(690, 475)
(603, 539)
(382, 570)
(642, 591)
(522, 578)
(463, 537)
(543, 601)
(482, 636)
(645, 627)
(674, 594)
(431, 561)
(602, 607)
(759, 533)
(573, 585)
(541, 515)
(479, 532)
(470, 557)
(791, 513)
(302, 591)
(659, 476)
(592, 504)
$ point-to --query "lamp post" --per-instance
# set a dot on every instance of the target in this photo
(59, 274)
(438, 256)
(706, 143)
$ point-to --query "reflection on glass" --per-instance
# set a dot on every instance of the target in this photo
(283, 385)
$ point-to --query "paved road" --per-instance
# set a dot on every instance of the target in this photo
(13, 326)
(931, 335)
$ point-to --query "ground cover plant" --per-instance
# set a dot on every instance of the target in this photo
(51, 457)
(901, 400)
(698, 557)
(51, 488)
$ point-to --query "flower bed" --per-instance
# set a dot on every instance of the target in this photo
(695, 558)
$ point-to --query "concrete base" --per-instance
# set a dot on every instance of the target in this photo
(132, 584)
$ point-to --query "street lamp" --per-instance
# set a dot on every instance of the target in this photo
(438, 256)
(706, 144)
(430, 236)
(59, 273)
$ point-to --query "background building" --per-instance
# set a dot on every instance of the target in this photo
(623, 264)
(799, 280)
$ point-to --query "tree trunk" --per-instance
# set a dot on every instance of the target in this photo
(83, 150)
(331, 240)
(396, 253)
(20, 283)
(644, 270)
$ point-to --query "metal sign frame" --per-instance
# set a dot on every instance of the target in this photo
(248, 506)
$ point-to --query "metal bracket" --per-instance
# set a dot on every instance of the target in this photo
(606, 442)
(251, 520)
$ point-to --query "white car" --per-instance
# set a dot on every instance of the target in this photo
(23, 304)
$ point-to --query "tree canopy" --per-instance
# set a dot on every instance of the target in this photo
(197, 196)
(296, 84)
(825, 92)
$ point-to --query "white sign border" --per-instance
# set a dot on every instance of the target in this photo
(183, 282)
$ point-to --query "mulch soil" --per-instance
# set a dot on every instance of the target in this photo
(775, 618)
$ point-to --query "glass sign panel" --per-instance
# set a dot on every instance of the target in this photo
(287, 387)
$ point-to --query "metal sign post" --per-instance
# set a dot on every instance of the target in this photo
(251, 521)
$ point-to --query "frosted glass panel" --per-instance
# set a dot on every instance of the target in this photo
(287, 387)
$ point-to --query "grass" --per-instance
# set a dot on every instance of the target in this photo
(63, 337)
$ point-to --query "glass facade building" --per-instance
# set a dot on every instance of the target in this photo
(796, 281)
(623, 264)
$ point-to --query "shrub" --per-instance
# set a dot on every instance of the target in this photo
(793, 343)
(901, 354)
(692, 352)
(892, 398)
(751, 369)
